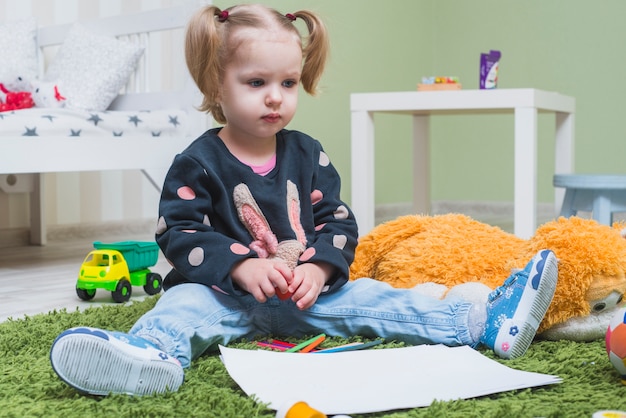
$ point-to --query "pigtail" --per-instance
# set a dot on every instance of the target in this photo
(202, 50)
(315, 51)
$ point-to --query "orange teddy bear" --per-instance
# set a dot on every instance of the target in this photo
(455, 255)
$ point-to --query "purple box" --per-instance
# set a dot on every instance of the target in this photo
(489, 69)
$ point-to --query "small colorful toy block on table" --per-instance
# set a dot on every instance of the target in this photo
(117, 267)
(439, 83)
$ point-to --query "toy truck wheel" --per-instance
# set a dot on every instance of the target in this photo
(154, 283)
(122, 292)
(85, 294)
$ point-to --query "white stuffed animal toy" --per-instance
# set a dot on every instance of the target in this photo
(47, 94)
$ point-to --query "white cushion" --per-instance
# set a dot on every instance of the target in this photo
(90, 69)
(18, 49)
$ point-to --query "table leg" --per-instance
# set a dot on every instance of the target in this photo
(525, 172)
(421, 164)
(362, 169)
(564, 153)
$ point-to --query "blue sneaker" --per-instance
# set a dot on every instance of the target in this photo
(515, 309)
(101, 362)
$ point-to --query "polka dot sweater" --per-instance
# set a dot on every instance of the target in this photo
(215, 212)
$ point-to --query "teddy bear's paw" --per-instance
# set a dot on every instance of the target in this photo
(589, 327)
(581, 329)
(434, 290)
(473, 292)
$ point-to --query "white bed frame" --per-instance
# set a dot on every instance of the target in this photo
(27, 158)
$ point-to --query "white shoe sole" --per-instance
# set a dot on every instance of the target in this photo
(98, 366)
(528, 320)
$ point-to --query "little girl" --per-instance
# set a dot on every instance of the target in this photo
(260, 242)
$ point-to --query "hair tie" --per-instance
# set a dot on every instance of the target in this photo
(222, 16)
(290, 16)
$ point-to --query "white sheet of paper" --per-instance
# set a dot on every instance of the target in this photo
(373, 380)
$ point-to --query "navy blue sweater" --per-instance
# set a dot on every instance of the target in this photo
(200, 229)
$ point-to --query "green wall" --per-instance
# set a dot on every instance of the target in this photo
(574, 47)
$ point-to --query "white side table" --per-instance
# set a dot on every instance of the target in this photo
(525, 104)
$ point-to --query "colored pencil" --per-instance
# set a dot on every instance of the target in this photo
(314, 344)
(307, 343)
(350, 347)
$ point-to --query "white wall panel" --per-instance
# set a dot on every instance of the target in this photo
(65, 11)
(91, 205)
(112, 189)
(109, 8)
(50, 198)
(67, 198)
(17, 215)
(17, 9)
(111, 183)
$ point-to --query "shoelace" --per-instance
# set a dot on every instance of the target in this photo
(512, 278)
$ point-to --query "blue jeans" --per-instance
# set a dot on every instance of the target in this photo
(190, 319)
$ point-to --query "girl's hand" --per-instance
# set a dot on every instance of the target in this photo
(308, 281)
(262, 277)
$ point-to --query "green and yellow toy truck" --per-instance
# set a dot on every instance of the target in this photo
(117, 267)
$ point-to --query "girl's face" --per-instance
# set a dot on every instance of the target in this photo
(259, 94)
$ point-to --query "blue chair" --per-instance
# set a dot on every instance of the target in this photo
(602, 195)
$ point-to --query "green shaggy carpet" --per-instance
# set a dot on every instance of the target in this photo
(29, 387)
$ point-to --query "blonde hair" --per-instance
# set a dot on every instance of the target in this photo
(210, 42)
